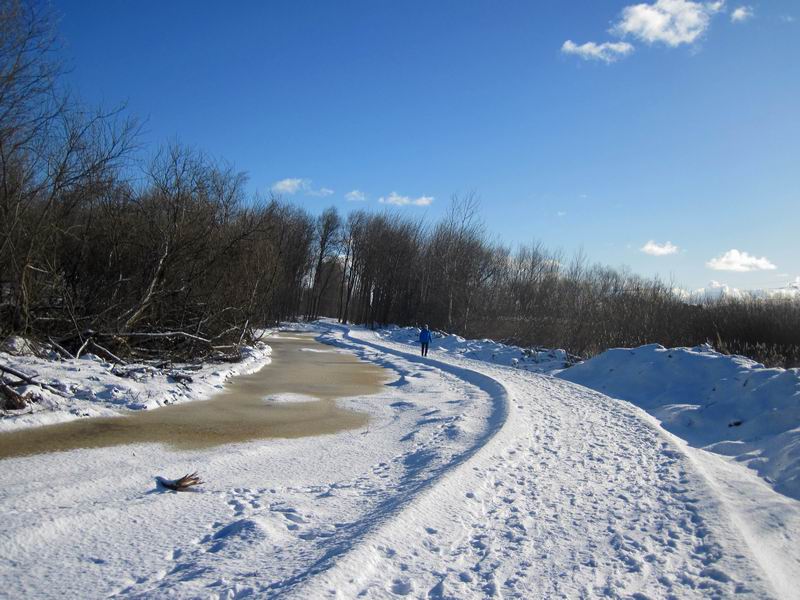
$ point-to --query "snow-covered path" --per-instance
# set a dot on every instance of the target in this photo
(471, 481)
(577, 495)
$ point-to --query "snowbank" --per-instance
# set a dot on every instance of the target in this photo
(93, 387)
(537, 360)
(726, 404)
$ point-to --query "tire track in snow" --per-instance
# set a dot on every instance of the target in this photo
(420, 478)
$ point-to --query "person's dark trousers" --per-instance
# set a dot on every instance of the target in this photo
(424, 349)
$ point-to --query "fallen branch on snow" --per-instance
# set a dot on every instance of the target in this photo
(14, 400)
(182, 484)
(164, 334)
(60, 349)
(30, 380)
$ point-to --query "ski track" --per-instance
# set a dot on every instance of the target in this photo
(501, 483)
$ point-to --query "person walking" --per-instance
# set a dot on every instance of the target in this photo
(425, 339)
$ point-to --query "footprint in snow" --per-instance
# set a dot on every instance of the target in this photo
(401, 587)
(294, 518)
(402, 404)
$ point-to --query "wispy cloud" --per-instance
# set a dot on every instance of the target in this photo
(741, 14)
(323, 191)
(355, 196)
(787, 18)
(292, 186)
(670, 22)
(655, 249)
(607, 52)
(397, 200)
(734, 260)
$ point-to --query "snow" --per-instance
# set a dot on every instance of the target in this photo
(94, 387)
(478, 475)
(729, 405)
(536, 359)
(726, 404)
(575, 495)
(716, 290)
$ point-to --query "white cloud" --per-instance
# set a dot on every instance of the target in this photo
(608, 52)
(398, 200)
(291, 186)
(561, 213)
(355, 196)
(787, 18)
(671, 22)
(655, 249)
(734, 260)
(741, 14)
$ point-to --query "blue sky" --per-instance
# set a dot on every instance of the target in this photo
(680, 124)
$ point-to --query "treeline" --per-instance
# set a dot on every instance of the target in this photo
(170, 257)
(393, 269)
(101, 253)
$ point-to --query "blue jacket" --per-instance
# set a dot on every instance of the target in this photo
(425, 336)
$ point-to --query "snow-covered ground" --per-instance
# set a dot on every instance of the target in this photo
(474, 478)
(537, 360)
(94, 387)
(730, 405)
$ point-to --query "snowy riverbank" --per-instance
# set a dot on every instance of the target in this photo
(729, 405)
(93, 387)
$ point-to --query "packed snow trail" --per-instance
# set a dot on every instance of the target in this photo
(423, 467)
(577, 495)
(470, 481)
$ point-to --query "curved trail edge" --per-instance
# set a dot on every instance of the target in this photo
(386, 509)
